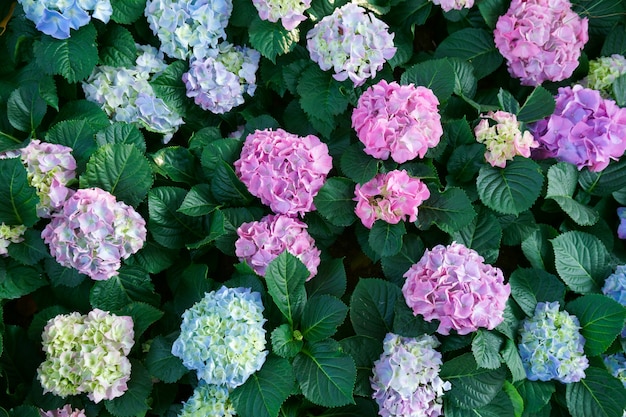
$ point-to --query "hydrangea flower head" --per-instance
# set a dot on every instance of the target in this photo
(208, 400)
(57, 17)
(615, 287)
(260, 242)
(10, 234)
(604, 71)
(616, 365)
(289, 12)
(284, 170)
(401, 121)
(352, 42)
(66, 411)
(452, 284)
(222, 336)
(188, 27)
(447, 5)
(541, 40)
(551, 346)
(218, 81)
(406, 380)
(93, 232)
(87, 353)
(391, 197)
(621, 229)
(501, 134)
(584, 129)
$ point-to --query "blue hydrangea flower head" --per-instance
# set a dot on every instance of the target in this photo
(615, 287)
(616, 364)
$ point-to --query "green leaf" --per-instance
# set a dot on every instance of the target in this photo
(436, 74)
(507, 102)
(364, 350)
(272, 39)
(530, 286)
(513, 361)
(473, 45)
(510, 190)
(134, 401)
(450, 210)
(536, 394)
(357, 165)
(483, 234)
(407, 324)
(121, 132)
(610, 179)
(170, 87)
(472, 387)
(190, 286)
(219, 150)
(227, 187)
(386, 238)
(26, 108)
(619, 90)
(86, 111)
(18, 200)
(601, 319)
(131, 284)
(76, 134)
(331, 279)
(117, 47)
(465, 161)
(500, 406)
(121, 170)
(19, 280)
(486, 348)
(153, 257)
(325, 374)
(266, 390)
(582, 261)
(537, 248)
(334, 201)
(285, 276)
(143, 316)
(285, 342)
(465, 82)
(61, 275)
(598, 395)
(457, 132)
(372, 307)
(198, 201)
(177, 163)
(538, 105)
(395, 266)
(562, 182)
(167, 226)
(321, 95)
(127, 11)
(31, 250)
(74, 58)
(321, 317)
(161, 363)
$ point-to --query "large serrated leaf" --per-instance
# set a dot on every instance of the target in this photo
(500, 406)
(272, 39)
(610, 179)
(135, 400)
(169, 86)
(483, 234)
(486, 348)
(19, 280)
(536, 394)
(321, 95)
(161, 363)
(127, 11)
(357, 165)
(26, 108)
(334, 201)
(562, 181)
(29, 251)
(385, 238)
(436, 74)
(76, 134)
(473, 45)
(121, 132)
(117, 47)
(450, 210)
(198, 201)
(131, 284)
(177, 163)
(143, 315)
(539, 104)
(372, 307)
(598, 395)
(18, 200)
(285, 277)
(169, 227)
(530, 286)
(395, 266)
(321, 317)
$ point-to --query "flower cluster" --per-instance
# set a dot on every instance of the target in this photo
(616, 364)
(391, 197)
(452, 284)
(260, 242)
(504, 139)
(189, 27)
(87, 353)
(10, 234)
(57, 17)
(284, 170)
(50, 168)
(93, 232)
(222, 336)
(621, 229)
(551, 346)
(208, 400)
(126, 95)
(218, 81)
(447, 5)
(541, 40)
(290, 12)
(351, 41)
(603, 72)
(406, 380)
(584, 129)
(615, 287)
(401, 121)
(66, 411)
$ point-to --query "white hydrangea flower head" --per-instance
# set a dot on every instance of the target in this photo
(208, 400)
(289, 12)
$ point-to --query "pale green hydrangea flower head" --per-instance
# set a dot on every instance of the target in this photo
(208, 400)
(10, 234)
(604, 71)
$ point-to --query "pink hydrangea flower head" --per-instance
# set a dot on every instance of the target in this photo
(447, 5)
(284, 170)
(289, 12)
(452, 284)
(401, 121)
(541, 40)
(501, 134)
(391, 197)
(584, 129)
(93, 232)
(66, 411)
(260, 242)
(352, 42)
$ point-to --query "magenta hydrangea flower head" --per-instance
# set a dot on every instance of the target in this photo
(551, 346)
(284, 170)
(501, 134)
(584, 129)
(208, 400)
(93, 232)
(10, 234)
(447, 5)
(218, 81)
(87, 354)
(391, 197)
(603, 72)
(222, 336)
(57, 17)
(541, 40)
(260, 242)
(401, 121)
(65, 411)
(452, 284)
(352, 42)
(621, 229)
(406, 380)
(188, 27)
(289, 12)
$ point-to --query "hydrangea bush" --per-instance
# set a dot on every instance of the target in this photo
(312, 208)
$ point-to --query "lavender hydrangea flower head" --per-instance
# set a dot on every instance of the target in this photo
(615, 287)
(584, 129)
(93, 232)
(616, 365)
(87, 354)
(504, 139)
(57, 17)
(260, 242)
(621, 229)
(391, 197)
(284, 170)
(66, 411)
(208, 400)
(352, 42)
(10, 234)
(289, 12)
(222, 336)
(447, 5)
(401, 121)
(218, 81)
(541, 40)
(406, 380)
(188, 27)
(551, 346)
(453, 285)
(603, 72)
